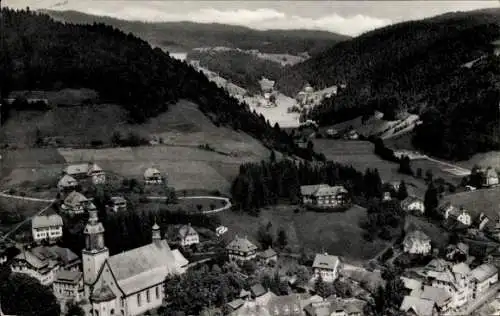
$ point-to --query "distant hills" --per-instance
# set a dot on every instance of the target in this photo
(416, 66)
(184, 36)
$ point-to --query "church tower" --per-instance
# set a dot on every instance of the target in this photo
(156, 234)
(95, 253)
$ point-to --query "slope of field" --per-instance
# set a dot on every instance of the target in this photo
(184, 36)
(183, 128)
(335, 233)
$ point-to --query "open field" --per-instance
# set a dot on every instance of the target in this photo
(183, 128)
(359, 154)
(13, 211)
(483, 200)
(335, 233)
(187, 205)
(448, 173)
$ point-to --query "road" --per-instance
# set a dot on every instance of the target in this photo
(217, 210)
(464, 170)
(25, 198)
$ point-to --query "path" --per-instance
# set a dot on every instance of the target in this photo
(25, 198)
(457, 167)
(217, 210)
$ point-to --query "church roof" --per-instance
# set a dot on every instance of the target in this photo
(145, 266)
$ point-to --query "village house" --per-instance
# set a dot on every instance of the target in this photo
(417, 306)
(449, 212)
(76, 203)
(323, 195)
(68, 287)
(413, 204)
(116, 204)
(86, 170)
(43, 263)
(440, 296)
(153, 176)
(481, 279)
(267, 256)
(241, 249)
(417, 242)
(326, 266)
(47, 227)
(188, 236)
(67, 184)
(334, 306)
(129, 283)
(490, 177)
(456, 251)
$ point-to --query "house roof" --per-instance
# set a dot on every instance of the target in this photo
(334, 304)
(42, 256)
(42, 221)
(234, 304)
(67, 181)
(438, 295)
(461, 268)
(411, 284)
(143, 267)
(68, 276)
(241, 244)
(150, 172)
(410, 200)
(483, 272)
(94, 168)
(422, 307)
(288, 305)
(258, 290)
(322, 190)
(75, 198)
(268, 253)
(77, 168)
(187, 230)
(325, 261)
(417, 235)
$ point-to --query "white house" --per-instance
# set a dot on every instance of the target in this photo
(43, 263)
(417, 242)
(241, 249)
(47, 227)
(482, 278)
(67, 183)
(323, 195)
(68, 287)
(188, 236)
(76, 203)
(129, 283)
(327, 266)
(153, 176)
(413, 204)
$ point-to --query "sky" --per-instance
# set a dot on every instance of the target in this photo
(344, 17)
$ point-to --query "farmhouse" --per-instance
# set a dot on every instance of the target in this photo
(86, 170)
(67, 183)
(482, 278)
(268, 255)
(323, 195)
(241, 249)
(46, 227)
(417, 242)
(76, 203)
(326, 266)
(188, 236)
(116, 204)
(68, 287)
(153, 176)
(42, 263)
(413, 204)
(129, 283)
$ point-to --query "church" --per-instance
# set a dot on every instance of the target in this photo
(129, 283)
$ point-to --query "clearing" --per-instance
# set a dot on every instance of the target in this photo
(336, 233)
(183, 129)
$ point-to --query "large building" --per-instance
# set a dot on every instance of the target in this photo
(47, 227)
(241, 249)
(129, 283)
(86, 170)
(323, 195)
(326, 266)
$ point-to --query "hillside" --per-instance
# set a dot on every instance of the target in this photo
(416, 67)
(123, 69)
(184, 36)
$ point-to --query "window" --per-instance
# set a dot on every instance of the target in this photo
(148, 299)
(157, 292)
(139, 299)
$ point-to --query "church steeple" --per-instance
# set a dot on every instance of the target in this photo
(156, 234)
(94, 233)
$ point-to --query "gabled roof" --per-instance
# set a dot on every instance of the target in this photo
(258, 290)
(417, 235)
(483, 272)
(241, 244)
(150, 172)
(42, 256)
(268, 253)
(145, 266)
(325, 261)
(321, 190)
(75, 198)
(65, 276)
(187, 230)
(422, 307)
(461, 268)
(94, 168)
(438, 295)
(43, 221)
(67, 181)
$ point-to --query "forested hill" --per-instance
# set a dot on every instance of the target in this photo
(398, 56)
(43, 55)
(184, 36)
